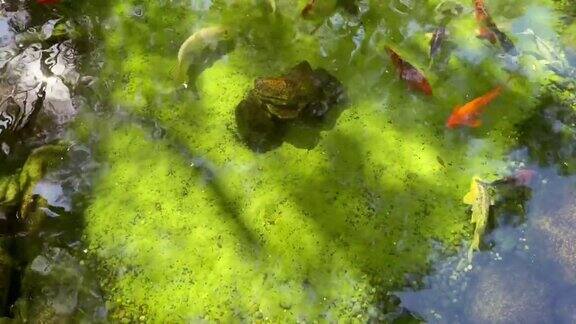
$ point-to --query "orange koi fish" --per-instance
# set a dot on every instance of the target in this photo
(484, 20)
(414, 78)
(469, 114)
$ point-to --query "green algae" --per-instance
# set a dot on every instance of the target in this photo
(197, 226)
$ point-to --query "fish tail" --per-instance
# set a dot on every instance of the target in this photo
(489, 97)
(496, 92)
(485, 33)
(179, 73)
(511, 77)
(475, 122)
(395, 58)
(272, 4)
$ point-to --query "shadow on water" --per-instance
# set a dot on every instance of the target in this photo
(157, 134)
(208, 175)
(386, 233)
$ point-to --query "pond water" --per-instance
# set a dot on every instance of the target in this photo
(288, 161)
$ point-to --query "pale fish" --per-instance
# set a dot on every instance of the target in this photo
(194, 47)
(272, 5)
(481, 198)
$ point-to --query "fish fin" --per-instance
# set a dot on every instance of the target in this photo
(485, 33)
(469, 198)
(426, 88)
(452, 121)
(475, 122)
(272, 4)
(472, 195)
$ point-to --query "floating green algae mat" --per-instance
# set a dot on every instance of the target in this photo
(194, 225)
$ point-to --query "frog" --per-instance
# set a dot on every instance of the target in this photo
(287, 96)
(301, 95)
(281, 97)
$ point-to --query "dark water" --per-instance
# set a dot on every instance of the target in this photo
(127, 197)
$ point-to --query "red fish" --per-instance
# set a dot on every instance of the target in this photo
(522, 177)
(414, 78)
(47, 2)
(469, 114)
(489, 30)
(484, 20)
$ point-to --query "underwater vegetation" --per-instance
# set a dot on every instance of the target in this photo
(553, 126)
(284, 160)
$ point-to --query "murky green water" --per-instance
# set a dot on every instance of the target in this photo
(127, 195)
